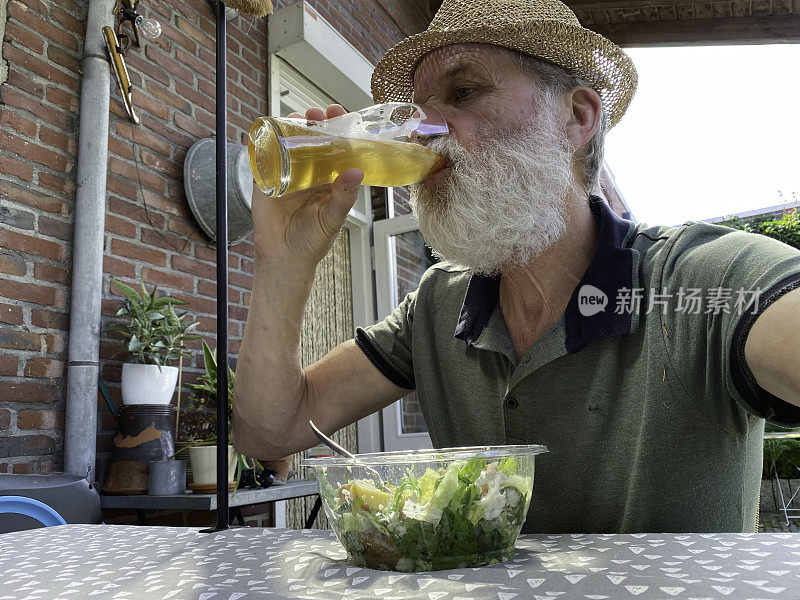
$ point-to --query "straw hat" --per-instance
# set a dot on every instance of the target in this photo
(547, 29)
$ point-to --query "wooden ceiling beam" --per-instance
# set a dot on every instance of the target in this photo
(752, 30)
(577, 5)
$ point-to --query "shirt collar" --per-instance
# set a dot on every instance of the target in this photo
(612, 269)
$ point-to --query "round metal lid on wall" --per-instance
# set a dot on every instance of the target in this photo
(199, 180)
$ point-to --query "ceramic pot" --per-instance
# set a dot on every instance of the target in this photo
(204, 467)
(147, 384)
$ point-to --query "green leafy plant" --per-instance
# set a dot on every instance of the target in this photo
(155, 331)
(200, 422)
(784, 452)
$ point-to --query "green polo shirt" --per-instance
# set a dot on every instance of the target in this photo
(653, 421)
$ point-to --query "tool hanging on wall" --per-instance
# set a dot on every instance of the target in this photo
(119, 41)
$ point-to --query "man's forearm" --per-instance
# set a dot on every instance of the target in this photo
(270, 385)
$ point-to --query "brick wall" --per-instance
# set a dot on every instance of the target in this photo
(149, 232)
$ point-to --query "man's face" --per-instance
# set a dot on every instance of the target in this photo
(477, 87)
(501, 200)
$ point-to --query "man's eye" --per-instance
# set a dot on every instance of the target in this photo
(462, 93)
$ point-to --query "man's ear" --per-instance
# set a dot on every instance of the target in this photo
(585, 109)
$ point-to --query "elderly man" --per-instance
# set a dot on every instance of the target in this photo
(550, 319)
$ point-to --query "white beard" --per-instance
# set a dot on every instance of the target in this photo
(503, 203)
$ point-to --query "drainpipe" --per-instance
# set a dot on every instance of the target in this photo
(80, 428)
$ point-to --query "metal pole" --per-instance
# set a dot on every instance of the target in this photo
(222, 275)
(80, 428)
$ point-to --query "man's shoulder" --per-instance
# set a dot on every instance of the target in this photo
(444, 275)
(696, 248)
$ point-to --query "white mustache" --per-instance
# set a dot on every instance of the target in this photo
(503, 202)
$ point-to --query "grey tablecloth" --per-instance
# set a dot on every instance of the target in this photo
(127, 562)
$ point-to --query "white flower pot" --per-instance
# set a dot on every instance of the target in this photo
(146, 384)
(204, 464)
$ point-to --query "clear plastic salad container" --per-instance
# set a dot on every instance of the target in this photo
(428, 510)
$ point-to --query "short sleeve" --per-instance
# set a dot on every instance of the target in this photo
(738, 274)
(387, 344)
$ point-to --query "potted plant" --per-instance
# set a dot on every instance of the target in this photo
(155, 333)
(199, 429)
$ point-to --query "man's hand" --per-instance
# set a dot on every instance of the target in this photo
(772, 350)
(300, 228)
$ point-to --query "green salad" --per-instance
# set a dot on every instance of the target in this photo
(468, 514)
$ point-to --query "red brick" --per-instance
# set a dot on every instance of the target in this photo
(163, 165)
(9, 313)
(8, 365)
(45, 202)
(170, 133)
(206, 253)
(65, 59)
(56, 228)
(160, 239)
(170, 204)
(196, 34)
(32, 245)
(41, 23)
(143, 138)
(137, 252)
(120, 226)
(168, 96)
(67, 20)
(5, 421)
(58, 140)
(198, 304)
(13, 265)
(58, 184)
(186, 229)
(16, 79)
(28, 391)
(66, 100)
(137, 63)
(40, 419)
(34, 152)
(49, 319)
(50, 273)
(53, 343)
(169, 280)
(149, 104)
(140, 175)
(13, 166)
(43, 367)
(135, 212)
(19, 59)
(25, 468)
(24, 37)
(20, 340)
(18, 123)
(195, 97)
(195, 267)
(118, 268)
(191, 126)
(198, 65)
(182, 41)
(33, 104)
(240, 280)
(122, 148)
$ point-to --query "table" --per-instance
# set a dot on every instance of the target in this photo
(132, 562)
(294, 488)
